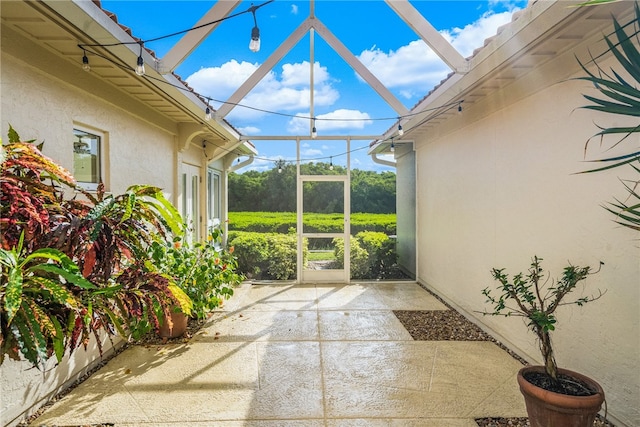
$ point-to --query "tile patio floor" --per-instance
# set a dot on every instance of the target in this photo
(302, 355)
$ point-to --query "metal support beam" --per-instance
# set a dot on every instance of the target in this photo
(262, 71)
(192, 39)
(359, 68)
(429, 35)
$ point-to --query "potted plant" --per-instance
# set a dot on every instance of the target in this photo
(204, 271)
(553, 396)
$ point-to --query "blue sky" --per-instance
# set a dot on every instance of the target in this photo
(369, 29)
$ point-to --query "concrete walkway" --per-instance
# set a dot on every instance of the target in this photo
(302, 355)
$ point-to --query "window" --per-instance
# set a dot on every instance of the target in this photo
(213, 198)
(87, 159)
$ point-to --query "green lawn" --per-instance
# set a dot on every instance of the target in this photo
(321, 256)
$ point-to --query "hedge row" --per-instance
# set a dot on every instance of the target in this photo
(267, 256)
(284, 222)
(373, 255)
(273, 256)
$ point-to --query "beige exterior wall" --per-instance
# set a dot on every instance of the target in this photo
(495, 189)
(46, 109)
(42, 108)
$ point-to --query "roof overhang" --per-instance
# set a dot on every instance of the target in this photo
(539, 46)
(59, 26)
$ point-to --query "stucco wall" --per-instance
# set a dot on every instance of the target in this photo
(493, 191)
(46, 109)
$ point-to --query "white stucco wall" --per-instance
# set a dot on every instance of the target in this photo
(494, 191)
(45, 109)
(26, 388)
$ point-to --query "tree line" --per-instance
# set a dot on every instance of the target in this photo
(275, 190)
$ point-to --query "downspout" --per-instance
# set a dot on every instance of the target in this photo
(375, 159)
(233, 168)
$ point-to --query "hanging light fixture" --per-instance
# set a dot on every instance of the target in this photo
(460, 108)
(331, 163)
(314, 131)
(207, 114)
(254, 44)
(140, 65)
(400, 130)
(393, 147)
(85, 61)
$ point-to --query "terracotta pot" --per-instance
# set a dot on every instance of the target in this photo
(179, 327)
(548, 409)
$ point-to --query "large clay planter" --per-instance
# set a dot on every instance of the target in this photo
(179, 326)
(549, 409)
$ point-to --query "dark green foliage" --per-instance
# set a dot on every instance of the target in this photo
(276, 192)
(267, 256)
(359, 258)
(381, 250)
(205, 272)
(373, 192)
(373, 254)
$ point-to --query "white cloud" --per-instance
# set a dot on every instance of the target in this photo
(414, 69)
(221, 82)
(311, 152)
(299, 74)
(249, 130)
(341, 119)
(286, 91)
(294, 9)
(472, 36)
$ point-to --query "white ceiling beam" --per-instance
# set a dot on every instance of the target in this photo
(192, 39)
(262, 71)
(429, 35)
(359, 67)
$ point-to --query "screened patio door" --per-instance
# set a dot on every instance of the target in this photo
(323, 221)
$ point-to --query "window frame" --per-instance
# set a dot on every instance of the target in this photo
(100, 162)
(214, 197)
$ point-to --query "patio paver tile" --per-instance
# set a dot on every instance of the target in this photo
(339, 359)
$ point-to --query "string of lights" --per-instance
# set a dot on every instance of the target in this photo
(281, 163)
(252, 9)
(209, 110)
(254, 46)
(443, 109)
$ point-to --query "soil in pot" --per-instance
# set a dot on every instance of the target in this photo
(565, 385)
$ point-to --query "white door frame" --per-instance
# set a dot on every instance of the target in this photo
(324, 276)
(190, 201)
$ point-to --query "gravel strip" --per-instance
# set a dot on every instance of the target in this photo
(524, 422)
(440, 325)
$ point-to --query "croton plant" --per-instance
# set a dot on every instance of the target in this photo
(75, 263)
